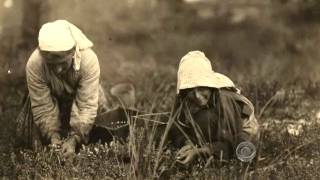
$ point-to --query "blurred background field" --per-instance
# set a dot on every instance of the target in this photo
(264, 46)
(246, 39)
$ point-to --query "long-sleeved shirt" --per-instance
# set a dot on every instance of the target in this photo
(249, 127)
(80, 87)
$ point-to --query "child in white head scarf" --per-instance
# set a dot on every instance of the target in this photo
(61, 106)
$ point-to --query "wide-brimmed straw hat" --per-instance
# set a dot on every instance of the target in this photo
(195, 70)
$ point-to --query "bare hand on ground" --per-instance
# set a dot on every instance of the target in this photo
(68, 148)
(187, 154)
(56, 141)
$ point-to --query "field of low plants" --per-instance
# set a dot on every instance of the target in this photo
(268, 48)
(289, 145)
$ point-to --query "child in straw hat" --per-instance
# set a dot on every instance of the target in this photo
(213, 117)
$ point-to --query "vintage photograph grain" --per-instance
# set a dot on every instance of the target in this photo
(160, 89)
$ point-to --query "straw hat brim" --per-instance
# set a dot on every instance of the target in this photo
(213, 80)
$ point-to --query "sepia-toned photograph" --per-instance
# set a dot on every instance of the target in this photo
(160, 89)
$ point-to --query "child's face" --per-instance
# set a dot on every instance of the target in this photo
(60, 62)
(199, 96)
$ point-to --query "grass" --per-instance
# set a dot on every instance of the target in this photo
(281, 155)
(275, 48)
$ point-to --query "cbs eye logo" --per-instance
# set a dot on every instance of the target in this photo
(246, 151)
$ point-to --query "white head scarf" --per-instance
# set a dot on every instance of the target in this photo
(195, 70)
(61, 35)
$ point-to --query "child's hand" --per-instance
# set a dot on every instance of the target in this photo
(68, 148)
(56, 141)
(187, 154)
